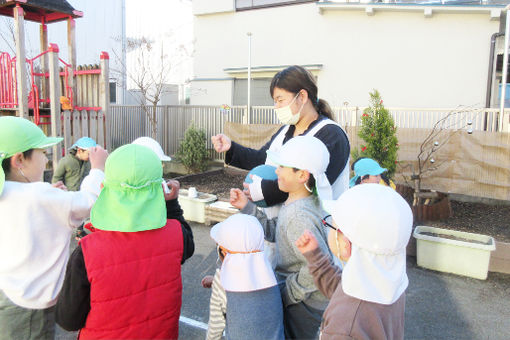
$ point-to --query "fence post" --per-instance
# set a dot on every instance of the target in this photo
(101, 130)
(354, 116)
(84, 117)
(54, 99)
(67, 129)
(104, 88)
(76, 119)
(43, 32)
(71, 50)
(504, 122)
(21, 71)
(246, 115)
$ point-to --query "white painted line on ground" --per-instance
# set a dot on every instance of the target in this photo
(193, 323)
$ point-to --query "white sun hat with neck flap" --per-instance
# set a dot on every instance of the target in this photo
(154, 146)
(245, 268)
(306, 153)
(378, 222)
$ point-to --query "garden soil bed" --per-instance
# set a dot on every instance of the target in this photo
(479, 218)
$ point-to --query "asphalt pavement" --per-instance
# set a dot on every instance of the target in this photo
(438, 305)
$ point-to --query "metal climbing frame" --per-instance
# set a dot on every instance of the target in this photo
(8, 86)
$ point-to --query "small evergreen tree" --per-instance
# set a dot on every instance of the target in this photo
(192, 150)
(379, 133)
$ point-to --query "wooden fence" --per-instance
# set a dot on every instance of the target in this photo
(126, 123)
(476, 163)
(77, 124)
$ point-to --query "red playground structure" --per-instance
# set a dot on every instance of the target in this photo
(65, 99)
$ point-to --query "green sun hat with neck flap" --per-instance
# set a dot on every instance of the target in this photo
(19, 135)
(132, 197)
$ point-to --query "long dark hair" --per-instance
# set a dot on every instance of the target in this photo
(296, 78)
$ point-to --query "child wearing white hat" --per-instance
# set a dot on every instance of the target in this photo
(171, 189)
(302, 164)
(254, 306)
(154, 146)
(372, 226)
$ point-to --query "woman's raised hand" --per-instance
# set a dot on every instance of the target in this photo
(221, 143)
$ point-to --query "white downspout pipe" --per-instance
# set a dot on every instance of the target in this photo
(505, 70)
(248, 113)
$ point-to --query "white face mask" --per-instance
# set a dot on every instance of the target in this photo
(285, 115)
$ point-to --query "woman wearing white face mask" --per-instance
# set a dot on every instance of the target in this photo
(298, 107)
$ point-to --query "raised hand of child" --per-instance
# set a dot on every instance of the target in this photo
(173, 189)
(237, 198)
(97, 157)
(60, 185)
(306, 242)
(250, 189)
(207, 281)
(221, 143)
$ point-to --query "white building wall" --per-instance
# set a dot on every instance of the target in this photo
(216, 6)
(211, 92)
(413, 60)
(100, 29)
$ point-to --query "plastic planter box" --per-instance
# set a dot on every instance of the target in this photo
(194, 208)
(453, 251)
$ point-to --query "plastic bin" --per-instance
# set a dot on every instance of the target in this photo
(194, 208)
(453, 251)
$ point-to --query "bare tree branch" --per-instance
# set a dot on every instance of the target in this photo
(439, 136)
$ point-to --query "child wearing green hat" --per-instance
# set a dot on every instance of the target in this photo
(37, 222)
(124, 279)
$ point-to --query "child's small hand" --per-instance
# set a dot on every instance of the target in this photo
(256, 181)
(237, 198)
(60, 185)
(306, 242)
(97, 157)
(207, 281)
(174, 187)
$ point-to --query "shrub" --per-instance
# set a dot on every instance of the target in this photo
(192, 150)
(379, 133)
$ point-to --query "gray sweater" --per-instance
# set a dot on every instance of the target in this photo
(291, 266)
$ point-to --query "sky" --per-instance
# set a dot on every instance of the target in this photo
(100, 29)
(168, 21)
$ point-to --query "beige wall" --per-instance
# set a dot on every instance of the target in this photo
(413, 60)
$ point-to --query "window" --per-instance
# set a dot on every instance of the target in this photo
(253, 4)
(113, 93)
(259, 92)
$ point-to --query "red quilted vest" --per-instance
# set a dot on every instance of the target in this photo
(135, 283)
